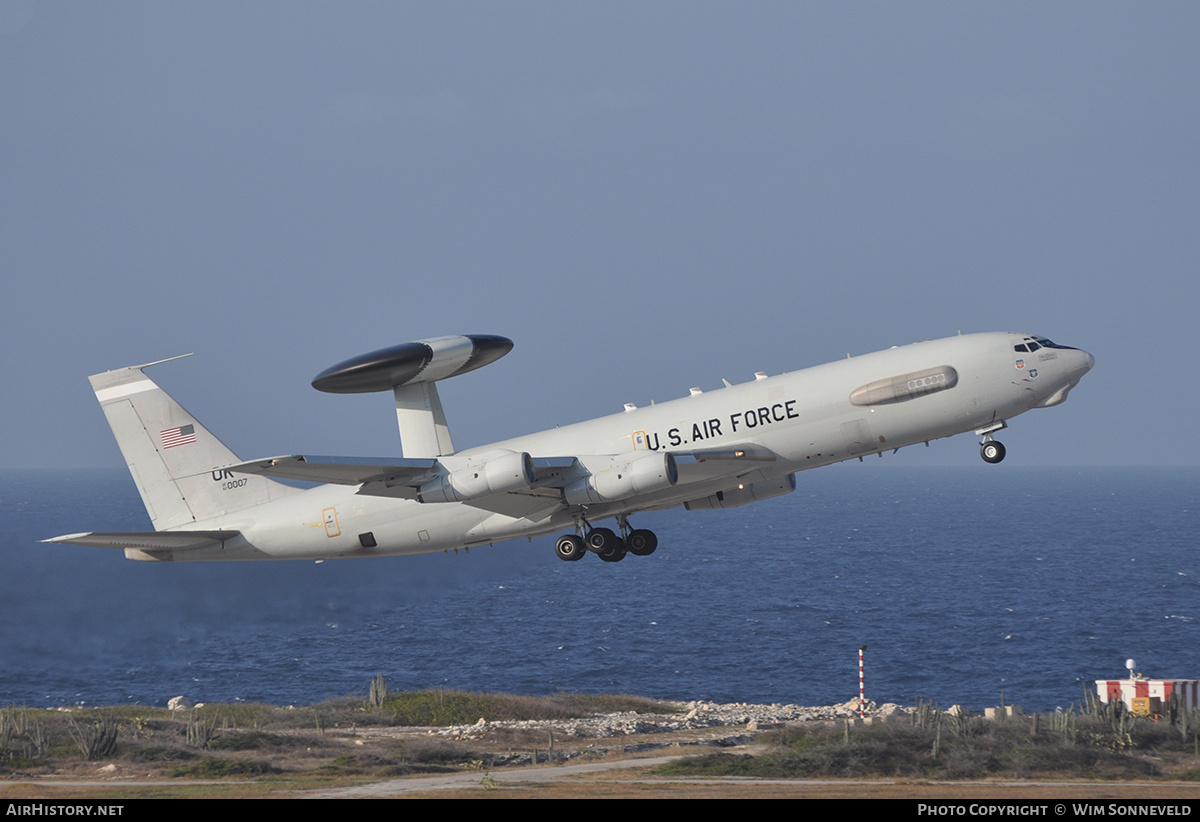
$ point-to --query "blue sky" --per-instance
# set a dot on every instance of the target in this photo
(643, 196)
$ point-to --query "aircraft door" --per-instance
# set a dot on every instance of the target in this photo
(644, 442)
(332, 529)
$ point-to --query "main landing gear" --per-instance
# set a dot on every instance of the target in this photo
(605, 543)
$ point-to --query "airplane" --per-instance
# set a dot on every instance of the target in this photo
(708, 450)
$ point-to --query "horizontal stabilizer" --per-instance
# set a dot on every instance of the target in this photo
(149, 540)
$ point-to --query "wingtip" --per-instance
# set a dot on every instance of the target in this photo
(66, 537)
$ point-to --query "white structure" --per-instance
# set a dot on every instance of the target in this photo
(1157, 691)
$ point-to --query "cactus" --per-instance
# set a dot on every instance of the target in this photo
(1179, 716)
(378, 691)
(962, 722)
(926, 714)
(201, 730)
(39, 741)
(1064, 723)
(95, 739)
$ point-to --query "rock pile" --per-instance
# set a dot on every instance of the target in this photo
(693, 715)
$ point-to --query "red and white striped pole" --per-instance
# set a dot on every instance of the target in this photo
(862, 702)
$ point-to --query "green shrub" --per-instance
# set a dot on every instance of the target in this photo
(211, 767)
(437, 708)
(1092, 750)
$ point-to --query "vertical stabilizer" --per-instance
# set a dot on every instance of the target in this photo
(174, 459)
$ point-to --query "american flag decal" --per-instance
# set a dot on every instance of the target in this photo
(182, 435)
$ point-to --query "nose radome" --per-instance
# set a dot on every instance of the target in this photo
(1090, 360)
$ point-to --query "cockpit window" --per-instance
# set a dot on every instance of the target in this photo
(1022, 347)
(1045, 343)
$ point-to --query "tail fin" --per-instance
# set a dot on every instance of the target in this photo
(172, 457)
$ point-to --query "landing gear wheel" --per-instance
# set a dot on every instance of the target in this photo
(641, 542)
(606, 543)
(601, 540)
(569, 548)
(992, 451)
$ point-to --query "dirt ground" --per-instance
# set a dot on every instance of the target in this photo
(609, 771)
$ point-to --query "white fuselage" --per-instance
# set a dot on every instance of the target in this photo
(806, 418)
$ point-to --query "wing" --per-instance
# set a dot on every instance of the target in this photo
(544, 495)
(403, 477)
(148, 540)
(342, 470)
(728, 461)
(535, 493)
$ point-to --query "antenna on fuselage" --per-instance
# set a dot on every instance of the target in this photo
(410, 371)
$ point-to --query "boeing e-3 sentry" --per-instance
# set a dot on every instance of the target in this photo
(717, 449)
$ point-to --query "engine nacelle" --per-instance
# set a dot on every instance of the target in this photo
(622, 478)
(744, 494)
(493, 472)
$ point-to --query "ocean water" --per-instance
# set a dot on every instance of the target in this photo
(961, 582)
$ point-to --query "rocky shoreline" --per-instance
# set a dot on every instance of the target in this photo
(696, 715)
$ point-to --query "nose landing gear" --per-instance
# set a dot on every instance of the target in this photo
(991, 450)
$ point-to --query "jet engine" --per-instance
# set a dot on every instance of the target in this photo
(492, 472)
(622, 477)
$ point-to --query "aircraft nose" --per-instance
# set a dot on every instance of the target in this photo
(1080, 364)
